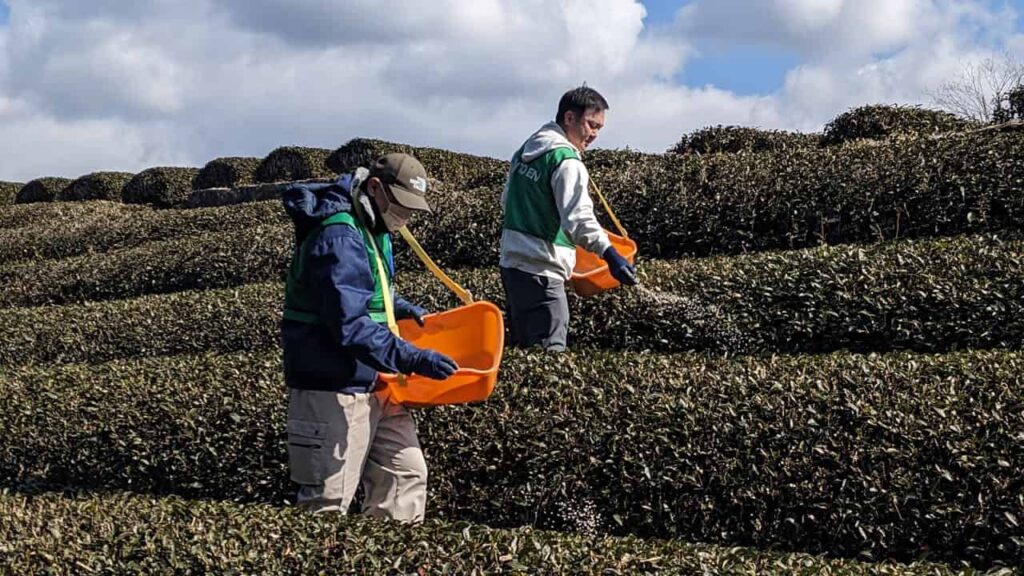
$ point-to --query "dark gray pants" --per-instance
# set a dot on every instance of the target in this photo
(538, 311)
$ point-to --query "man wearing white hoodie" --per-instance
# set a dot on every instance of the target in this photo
(547, 214)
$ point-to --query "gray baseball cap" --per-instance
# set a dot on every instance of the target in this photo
(405, 177)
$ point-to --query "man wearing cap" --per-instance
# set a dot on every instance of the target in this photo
(547, 214)
(342, 428)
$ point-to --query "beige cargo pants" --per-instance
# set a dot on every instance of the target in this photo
(336, 441)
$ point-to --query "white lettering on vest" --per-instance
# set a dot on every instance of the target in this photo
(526, 170)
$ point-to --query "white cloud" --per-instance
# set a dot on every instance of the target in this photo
(653, 116)
(816, 29)
(74, 63)
(245, 77)
(323, 23)
(122, 84)
(950, 40)
(808, 15)
(36, 145)
(1016, 46)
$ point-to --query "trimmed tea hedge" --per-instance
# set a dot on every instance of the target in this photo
(905, 188)
(880, 121)
(468, 236)
(9, 192)
(106, 229)
(116, 533)
(255, 253)
(731, 139)
(459, 170)
(96, 186)
(41, 190)
(741, 203)
(734, 203)
(47, 214)
(925, 296)
(293, 163)
(162, 187)
(227, 173)
(243, 318)
(895, 456)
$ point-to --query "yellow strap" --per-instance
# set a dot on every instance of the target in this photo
(608, 208)
(389, 304)
(464, 295)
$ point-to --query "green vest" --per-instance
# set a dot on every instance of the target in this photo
(530, 202)
(300, 299)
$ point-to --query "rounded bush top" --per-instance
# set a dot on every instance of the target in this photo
(162, 186)
(881, 121)
(731, 139)
(41, 190)
(96, 186)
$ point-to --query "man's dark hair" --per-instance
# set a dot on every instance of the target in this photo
(579, 100)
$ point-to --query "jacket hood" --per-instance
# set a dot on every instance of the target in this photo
(310, 204)
(549, 137)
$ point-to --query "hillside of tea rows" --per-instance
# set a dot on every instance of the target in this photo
(822, 371)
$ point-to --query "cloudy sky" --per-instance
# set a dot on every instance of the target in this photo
(129, 84)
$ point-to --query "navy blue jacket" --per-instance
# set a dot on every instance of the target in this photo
(346, 351)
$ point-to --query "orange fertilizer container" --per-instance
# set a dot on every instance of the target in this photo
(474, 336)
(591, 275)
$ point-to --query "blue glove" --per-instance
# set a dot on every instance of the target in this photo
(434, 365)
(406, 310)
(620, 268)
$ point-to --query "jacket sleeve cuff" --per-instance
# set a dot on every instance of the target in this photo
(601, 244)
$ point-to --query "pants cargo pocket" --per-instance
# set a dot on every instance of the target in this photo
(307, 451)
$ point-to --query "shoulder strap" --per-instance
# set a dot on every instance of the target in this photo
(339, 218)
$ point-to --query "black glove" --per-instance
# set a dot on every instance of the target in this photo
(406, 310)
(620, 268)
(434, 365)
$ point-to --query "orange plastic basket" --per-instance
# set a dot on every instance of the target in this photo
(474, 336)
(591, 275)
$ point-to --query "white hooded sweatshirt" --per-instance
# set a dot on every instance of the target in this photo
(569, 185)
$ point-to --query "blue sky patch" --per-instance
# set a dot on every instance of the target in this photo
(5, 13)
(743, 70)
(740, 69)
(664, 11)
(749, 69)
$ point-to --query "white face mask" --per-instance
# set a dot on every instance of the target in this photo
(396, 215)
(392, 220)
